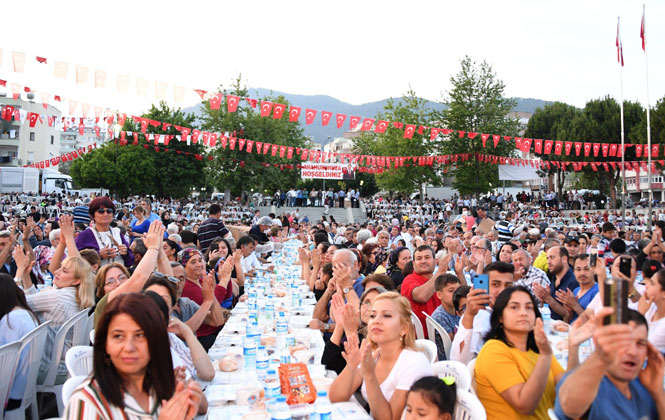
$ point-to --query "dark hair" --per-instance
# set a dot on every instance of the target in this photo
(159, 373)
(500, 266)
(244, 240)
(460, 293)
(54, 225)
(496, 331)
(444, 280)
(382, 279)
(98, 203)
(189, 237)
(637, 318)
(154, 280)
(618, 246)
(172, 244)
(436, 392)
(608, 227)
(91, 256)
(214, 209)
(139, 247)
(11, 296)
(408, 269)
(160, 303)
(580, 257)
(368, 248)
(320, 237)
(327, 269)
(510, 244)
(422, 248)
(650, 267)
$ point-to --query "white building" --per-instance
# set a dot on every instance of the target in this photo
(21, 144)
(638, 190)
(71, 139)
(339, 145)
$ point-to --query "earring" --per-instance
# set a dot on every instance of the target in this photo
(107, 360)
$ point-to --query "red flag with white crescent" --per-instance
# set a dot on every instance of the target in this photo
(605, 148)
(568, 147)
(325, 117)
(367, 124)
(596, 149)
(619, 46)
(232, 103)
(381, 126)
(587, 148)
(340, 120)
(578, 148)
(613, 149)
(310, 114)
(278, 111)
(294, 113)
(353, 122)
(409, 130)
(496, 138)
(216, 100)
(266, 107)
(548, 146)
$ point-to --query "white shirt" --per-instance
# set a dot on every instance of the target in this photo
(250, 262)
(410, 366)
(656, 329)
(473, 339)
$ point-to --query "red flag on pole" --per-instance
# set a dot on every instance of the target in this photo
(643, 33)
(619, 46)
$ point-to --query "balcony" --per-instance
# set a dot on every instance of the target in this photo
(9, 142)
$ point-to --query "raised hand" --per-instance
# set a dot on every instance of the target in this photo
(350, 319)
(66, 226)
(582, 329)
(208, 287)
(155, 235)
(542, 342)
(652, 376)
(224, 272)
(23, 263)
(337, 308)
(367, 360)
(351, 352)
(316, 257)
(609, 340)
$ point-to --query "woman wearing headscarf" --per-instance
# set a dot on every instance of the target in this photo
(397, 260)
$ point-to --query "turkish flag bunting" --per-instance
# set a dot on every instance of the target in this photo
(232, 143)
(144, 125)
(241, 143)
(587, 149)
(353, 122)
(97, 131)
(613, 165)
(232, 103)
(367, 124)
(136, 139)
(472, 134)
(168, 138)
(613, 149)
(157, 137)
(310, 114)
(325, 117)
(278, 111)
(408, 131)
(266, 146)
(461, 133)
(32, 117)
(195, 136)
(654, 150)
(381, 126)
(294, 113)
(496, 139)
(216, 100)
(273, 149)
(250, 144)
(212, 141)
(202, 93)
(568, 147)
(223, 141)
(303, 154)
(518, 143)
(185, 133)
(165, 126)
(289, 153)
(605, 148)
(526, 145)
(434, 133)
(596, 149)
(7, 112)
(81, 129)
(548, 147)
(282, 150)
(266, 107)
(205, 138)
(397, 124)
(51, 121)
(484, 138)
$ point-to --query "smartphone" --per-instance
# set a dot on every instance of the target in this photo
(616, 296)
(625, 265)
(481, 281)
(214, 247)
(593, 259)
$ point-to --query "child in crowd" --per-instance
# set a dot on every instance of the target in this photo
(431, 398)
(445, 314)
(459, 300)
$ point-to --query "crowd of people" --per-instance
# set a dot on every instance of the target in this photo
(162, 277)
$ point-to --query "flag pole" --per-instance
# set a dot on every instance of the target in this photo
(646, 66)
(623, 149)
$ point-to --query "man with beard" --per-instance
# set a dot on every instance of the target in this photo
(562, 278)
(419, 287)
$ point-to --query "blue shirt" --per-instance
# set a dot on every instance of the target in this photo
(449, 322)
(358, 286)
(567, 282)
(610, 403)
(586, 299)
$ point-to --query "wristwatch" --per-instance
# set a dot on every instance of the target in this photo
(326, 327)
(346, 290)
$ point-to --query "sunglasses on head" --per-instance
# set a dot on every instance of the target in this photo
(107, 211)
(169, 278)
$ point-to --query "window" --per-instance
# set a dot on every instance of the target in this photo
(52, 139)
(32, 136)
(31, 157)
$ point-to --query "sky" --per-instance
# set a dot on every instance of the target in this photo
(356, 51)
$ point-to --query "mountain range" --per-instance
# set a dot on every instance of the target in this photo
(323, 135)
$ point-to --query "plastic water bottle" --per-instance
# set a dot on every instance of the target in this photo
(270, 308)
(281, 410)
(282, 329)
(547, 317)
(48, 280)
(262, 362)
(249, 353)
(322, 406)
(285, 356)
(295, 296)
(271, 385)
(251, 300)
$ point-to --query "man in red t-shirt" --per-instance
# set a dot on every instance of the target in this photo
(419, 288)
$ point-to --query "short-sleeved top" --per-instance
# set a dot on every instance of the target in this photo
(449, 322)
(498, 368)
(610, 403)
(13, 326)
(210, 229)
(410, 366)
(412, 281)
(187, 309)
(585, 299)
(195, 293)
(567, 282)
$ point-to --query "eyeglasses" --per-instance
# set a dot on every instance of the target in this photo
(367, 302)
(102, 211)
(375, 253)
(169, 278)
(111, 281)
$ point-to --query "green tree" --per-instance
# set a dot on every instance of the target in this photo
(476, 103)
(553, 122)
(131, 169)
(406, 179)
(240, 171)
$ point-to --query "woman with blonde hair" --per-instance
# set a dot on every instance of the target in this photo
(73, 291)
(387, 363)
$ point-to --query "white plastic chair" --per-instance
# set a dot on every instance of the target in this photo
(33, 344)
(433, 328)
(429, 348)
(468, 407)
(455, 369)
(79, 361)
(552, 414)
(70, 385)
(8, 361)
(82, 328)
(49, 385)
(92, 337)
(89, 327)
(472, 370)
(418, 326)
